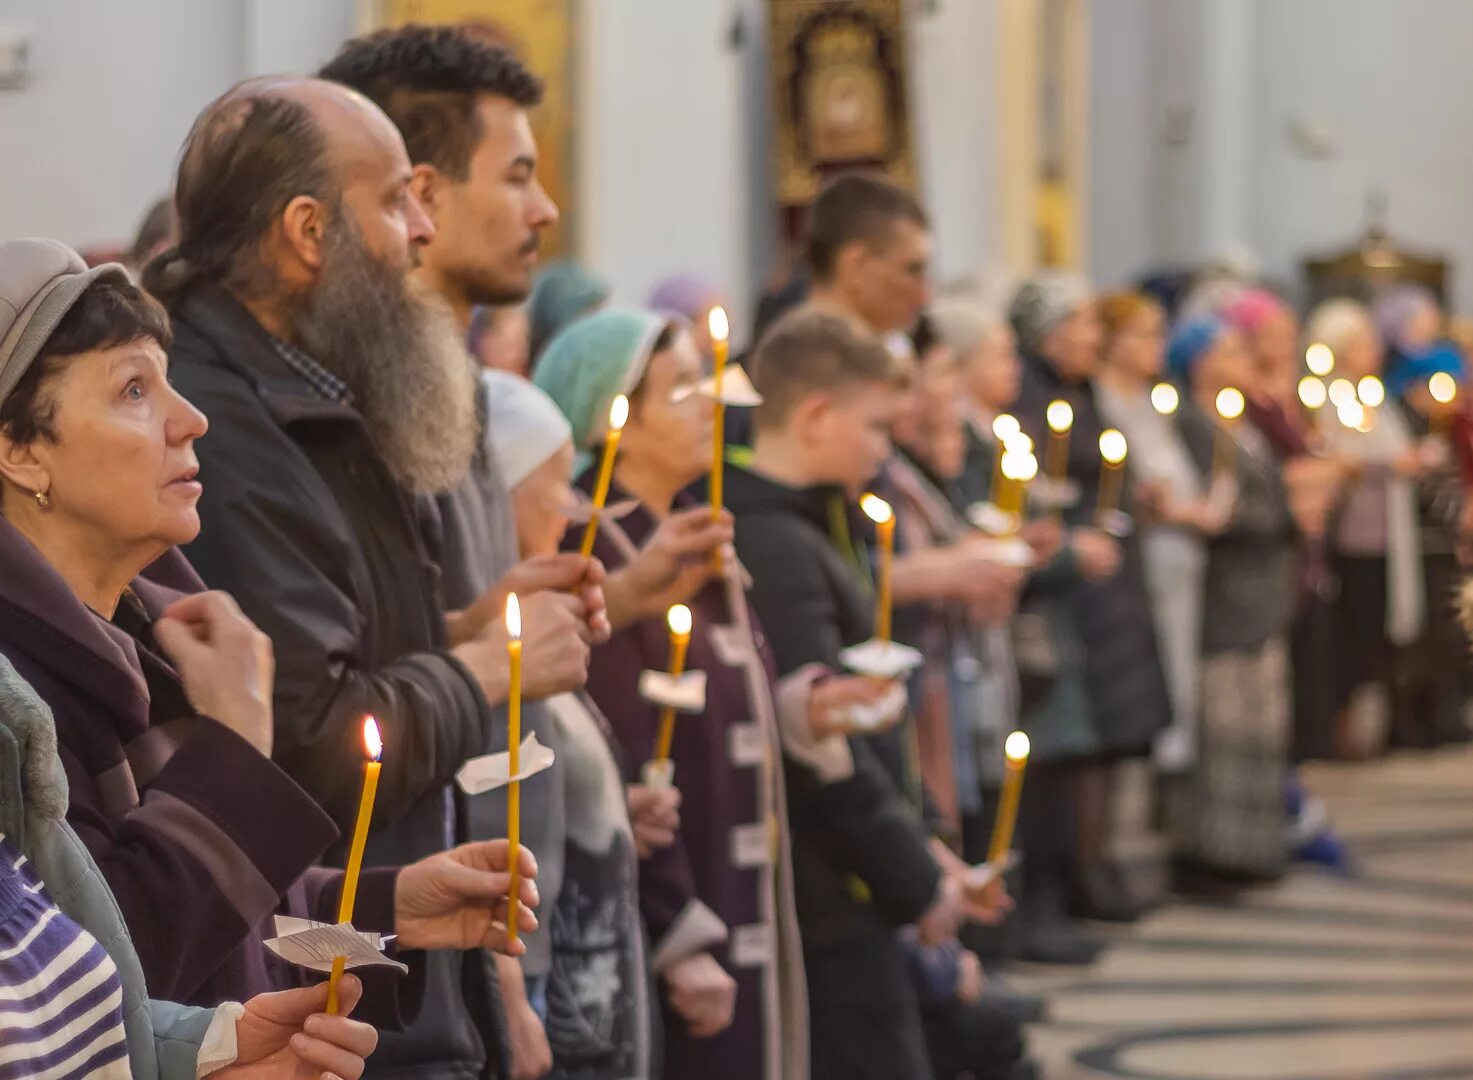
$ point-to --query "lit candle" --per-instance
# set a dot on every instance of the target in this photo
(1016, 752)
(1342, 393)
(1165, 399)
(1060, 417)
(1113, 449)
(1018, 468)
(1319, 359)
(1004, 427)
(716, 322)
(373, 745)
(1352, 414)
(678, 618)
(1312, 395)
(878, 511)
(1230, 405)
(1371, 391)
(1444, 389)
(514, 746)
(618, 416)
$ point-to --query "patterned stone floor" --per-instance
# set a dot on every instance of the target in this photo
(1318, 978)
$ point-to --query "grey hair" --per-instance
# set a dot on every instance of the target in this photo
(963, 323)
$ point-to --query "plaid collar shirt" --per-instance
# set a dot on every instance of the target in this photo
(324, 383)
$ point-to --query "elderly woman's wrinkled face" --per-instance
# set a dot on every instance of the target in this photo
(670, 425)
(120, 468)
(543, 502)
(992, 371)
(1073, 346)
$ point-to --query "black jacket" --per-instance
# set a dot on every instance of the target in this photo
(860, 860)
(305, 527)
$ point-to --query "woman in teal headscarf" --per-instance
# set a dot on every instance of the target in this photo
(719, 901)
(564, 293)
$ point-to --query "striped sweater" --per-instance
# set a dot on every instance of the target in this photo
(60, 997)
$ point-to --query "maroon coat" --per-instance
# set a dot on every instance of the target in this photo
(201, 838)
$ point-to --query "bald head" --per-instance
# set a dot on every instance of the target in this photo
(267, 170)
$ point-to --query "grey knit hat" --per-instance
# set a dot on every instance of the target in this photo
(39, 282)
(1043, 302)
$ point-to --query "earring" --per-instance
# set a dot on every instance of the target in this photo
(43, 500)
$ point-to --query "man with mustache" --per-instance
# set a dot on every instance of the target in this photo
(462, 105)
(341, 404)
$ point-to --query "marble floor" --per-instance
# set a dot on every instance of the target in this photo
(1318, 978)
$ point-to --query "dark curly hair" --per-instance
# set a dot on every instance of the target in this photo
(427, 79)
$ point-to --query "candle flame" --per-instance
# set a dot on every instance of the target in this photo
(1018, 444)
(1443, 388)
(619, 413)
(679, 619)
(716, 322)
(1165, 399)
(876, 509)
(1112, 446)
(1016, 747)
(513, 616)
(1230, 403)
(1060, 416)
(1371, 391)
(1312, 392)
(1021, 466)
(1342, 393)
(1319, 359)
(373, 743)
(1006, 427)
(1352, 414)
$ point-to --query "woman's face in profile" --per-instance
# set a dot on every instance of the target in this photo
(120, 468)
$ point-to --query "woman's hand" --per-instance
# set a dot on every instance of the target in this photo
(531, 1054)
(287, 1036)
(567, 572)
(1097, 553)
(702, 993)
(674, 564)
(456, 899)
(226, 663)
(829, 701)
(654, 814)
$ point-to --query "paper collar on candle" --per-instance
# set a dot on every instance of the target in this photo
(1117, 523)
(876, 715)
(993, 520)
(684, 693)
(1006, 551)
(315, 945)
(1051, 493)
(491, 771)
(736, 388)
(881, 659)
(583, 511)
(984, 874)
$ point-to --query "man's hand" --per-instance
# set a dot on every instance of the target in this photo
(457, 899)
(531, 1055)
(678, 559)
(555, 649)
(654, 814)
(944, 917)
(1045, 536)
(288, 1036)
(568, 572)
(1097, 553)
(702, 994)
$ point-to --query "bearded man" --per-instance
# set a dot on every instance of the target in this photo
(341, 403)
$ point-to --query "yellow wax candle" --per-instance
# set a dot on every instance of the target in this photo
(1060, 423)
(618, 417)
(374, 746)
(879, 511)
(514, 745)
(1016, 752)
(719, 328)
(678, 618)
(1230, 405)
(1113, 449)
(1005, 427)
(1444, 389)
(1018, 468)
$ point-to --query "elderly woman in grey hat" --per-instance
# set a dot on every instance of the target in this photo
(1124, 703)
(180, 838)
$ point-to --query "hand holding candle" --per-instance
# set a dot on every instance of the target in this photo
(1016, 751)
(618, 417)
(879, 511)
(514, 737)
(678, 618)
(1113, 449)
(1230, 406)
(373, 745)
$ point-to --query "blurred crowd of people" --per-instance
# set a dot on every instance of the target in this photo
(285, 472)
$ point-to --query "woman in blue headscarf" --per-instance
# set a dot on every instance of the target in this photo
(1233, 826)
